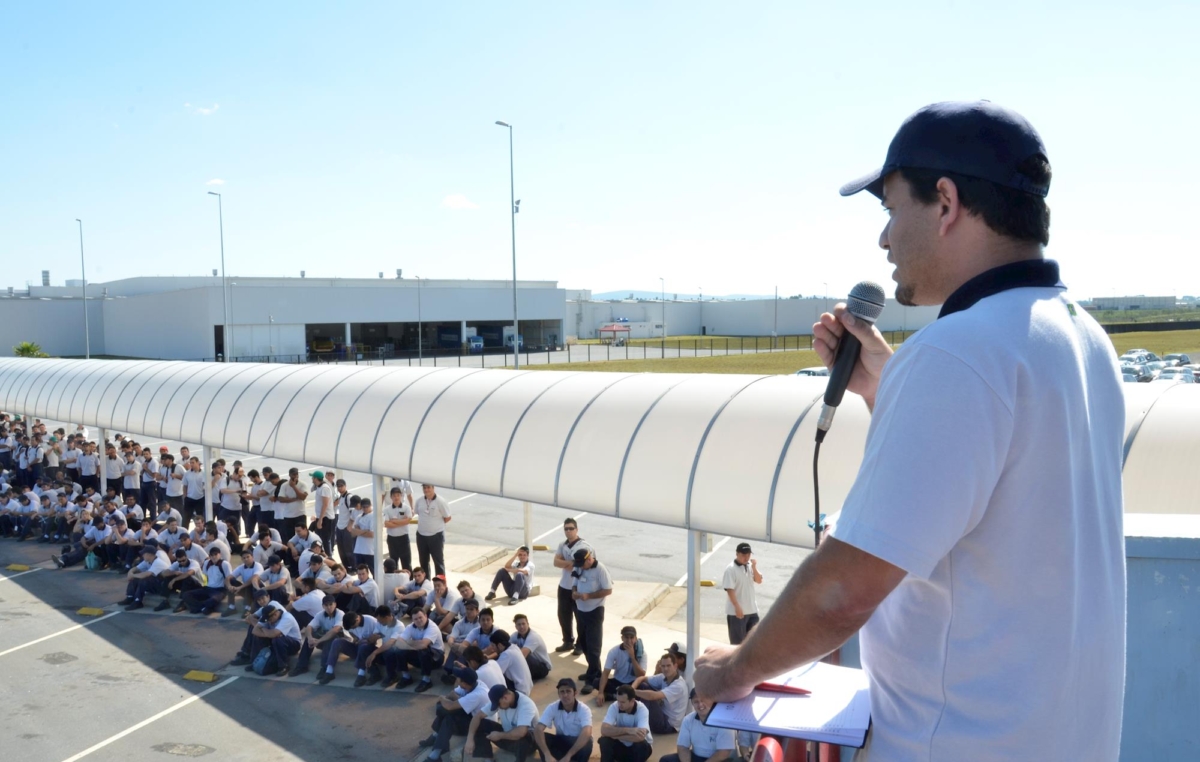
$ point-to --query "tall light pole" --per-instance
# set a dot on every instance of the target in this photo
(826, 296)
(512, 197)
(226, 336)
(663, 285)
(420, 355)
(87, 337)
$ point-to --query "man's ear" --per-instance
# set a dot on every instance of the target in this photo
(950, 208)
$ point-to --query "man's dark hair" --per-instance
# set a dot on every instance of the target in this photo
(475, 654)
(1009, 212)
(626, 691)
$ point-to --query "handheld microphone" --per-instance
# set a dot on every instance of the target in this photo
(865, 302)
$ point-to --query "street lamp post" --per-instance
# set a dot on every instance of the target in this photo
(87, 337)
(826, 296)
(663, 285)
(420, 354)
(512, 197)
(226, 336)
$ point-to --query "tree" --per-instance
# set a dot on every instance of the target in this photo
(29, 349)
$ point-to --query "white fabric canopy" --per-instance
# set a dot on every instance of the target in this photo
(729, 454)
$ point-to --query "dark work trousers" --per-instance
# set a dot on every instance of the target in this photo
(515, 585)
(149, 499)
(566, 615)
(432, 545)
(522, 747)
(135, 491)
(345, 547)
(175, 502)
(400, 551)
(283, 647)
(537, 668)
(138, 588)
(363, 558)
(231, 518)
(426, 659)
(204, 600)
(190, 583)
(675, 758)
(658, 717)
(92, 481)
(306, 654)
(287, 527)
(446, 724)
(740, 628)
(610, 688)
(591, 629)
(560, 745)
(191, 508)
(325, 532)
(268, 516)
(612, 750)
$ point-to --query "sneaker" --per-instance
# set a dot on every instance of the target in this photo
(360, 681)
(490, 596)
(424, 686)
(564, 648)
(586, 689)
(134, 606)
(325, 678)
(58, 562)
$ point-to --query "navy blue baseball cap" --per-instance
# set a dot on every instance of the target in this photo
(973, 138)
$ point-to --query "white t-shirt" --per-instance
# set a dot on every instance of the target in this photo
(288, 626)
(523, 712)
(131, 473)
(113, 468)
(217, 573)
(369, 589)
(992, 475)
(88, 464)
(173, 484)
(431, 515)
(622, 666)
(310, 603)
(475, 701)
(341, 504)
(294, 509)
(535, 644)
(193, 485)
(323, 494)
(490, 674)
(639, 719)
(564, 723)
(675, 701)
(513, 665)
(704, 741)
(740, 580)
(365, 545)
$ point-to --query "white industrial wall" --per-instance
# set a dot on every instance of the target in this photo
(57, 325)
(267, 340)
(175, 324)
(752, 317)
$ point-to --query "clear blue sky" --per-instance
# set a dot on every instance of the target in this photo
(700, 142)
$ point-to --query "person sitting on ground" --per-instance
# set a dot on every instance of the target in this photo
(425, 650)
(625, 733)
(516, 714)
(489, 671)
(172, 536)
(239, 583)
(145, 533)
(264, 528)
(275, 580)
(516, 576)
(456, 641)
(439, 602)
(571, 720)
(316, 549)
(368, 642)
(362, 589)
(134, 514)
(182, 576)
(665, 696)
(207, 599)
(263, 604)
(456, 712)
(266, 547)
(337, 588)
(307, 601)
(213, 539)
(698, 742)
(386, 649)
(458, 610)
(93, 540)
(121, 547)
(533, 648)
(512, 663)
(357, 632)
(481, 636)
(281, 633)
(414, 595)
(300, 542)
(393, 577)
(146, 577)
(315, 569)
(625, 663)
(319, 633)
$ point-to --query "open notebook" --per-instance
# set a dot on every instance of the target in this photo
(838, 709)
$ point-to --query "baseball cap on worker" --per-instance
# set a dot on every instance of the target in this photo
(743, 547)
(973, 138)
(318, 474)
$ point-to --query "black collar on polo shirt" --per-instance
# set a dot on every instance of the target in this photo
(1029, 273)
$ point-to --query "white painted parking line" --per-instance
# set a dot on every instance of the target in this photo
(56, 634)
(149, 720)
(464, 497)
(19, 574)
(703, 558)
(557, 529)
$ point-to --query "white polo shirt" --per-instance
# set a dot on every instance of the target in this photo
(704, 741)
(513, 665)
(992, 475)
(323, 495)
(567, 724)
(640, 718)
(394, 512)
(431, 515)
(740, 580)
(490, 674)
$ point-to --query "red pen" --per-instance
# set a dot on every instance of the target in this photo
(777, 688)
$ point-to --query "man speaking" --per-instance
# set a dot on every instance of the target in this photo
(980, 549)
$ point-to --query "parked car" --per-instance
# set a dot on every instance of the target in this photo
(1182, 375)
(816, 370)
(1129, 378)
(1178, 359)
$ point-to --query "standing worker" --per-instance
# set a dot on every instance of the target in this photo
(980, 638)
(433, 514)
(741, 610)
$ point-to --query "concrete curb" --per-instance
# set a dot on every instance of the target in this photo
(493, 555)
(648, 603)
